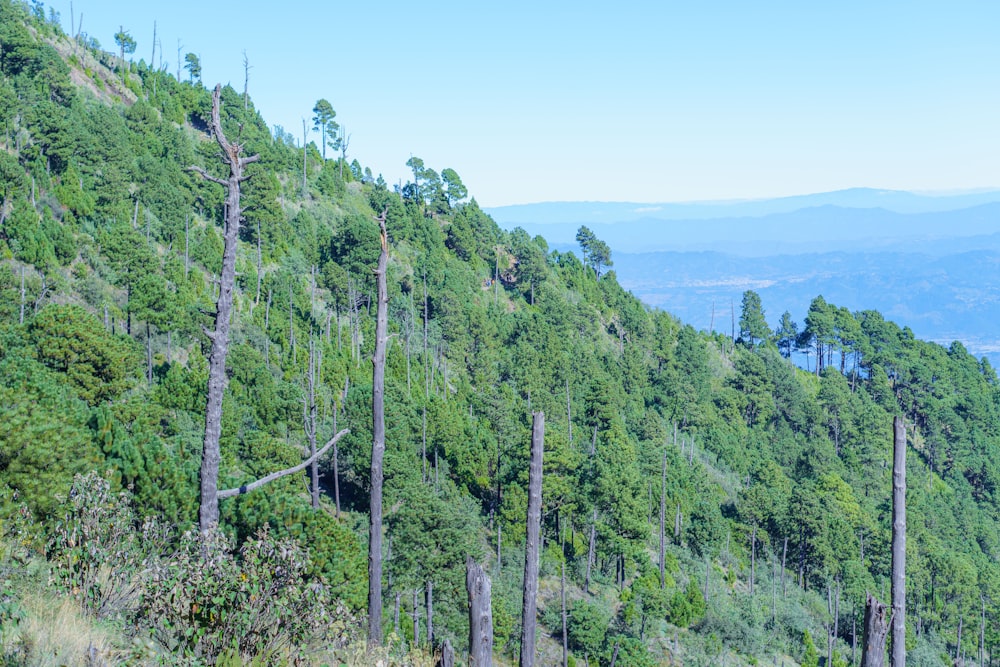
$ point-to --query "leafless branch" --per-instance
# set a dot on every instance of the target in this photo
(246, 488)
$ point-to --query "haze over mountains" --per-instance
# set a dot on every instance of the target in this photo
(927, 262)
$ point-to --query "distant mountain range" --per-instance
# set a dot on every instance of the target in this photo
(928, 262)
(823, 222)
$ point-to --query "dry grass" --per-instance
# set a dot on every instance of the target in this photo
(54, 633)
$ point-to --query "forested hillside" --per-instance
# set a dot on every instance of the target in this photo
(772, 483)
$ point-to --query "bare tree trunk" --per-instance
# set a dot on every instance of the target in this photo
(23, 297)
(305, 151)
(149, 357)
(774, 588)
(708, 572)
(395, 613)
(677, 525)
(899, 543)
(267, 338)
(982, 634)
(874, 633)
(854, 633)
(562, 597)
(256, 299)
(479, 587)
(209, 500)
(378, 446)
(663, 520)
(958, 640)
(416, 617)
(430, 613)
(753, 557)
(533, 531)
(310, 422)
(590, 551)
(784, 554)
(336, 460)
(447, 654)
(569, 414)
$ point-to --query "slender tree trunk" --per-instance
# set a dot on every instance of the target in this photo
(663, 521)
(305, 151)
(562, 598)
(899, 544)
(378, 447)
(311, 422)
(416, 617)
(569, 414)
(591, 551)
(395, 613)
(982, 634)
(774, 588)
(784, 554)
(479, 587)
(533, 531)
(209, 500)
(854, 633)
(753, 557)
(256, 299)
(874, 633)
(336, 464)
(430, 613)
(149, 357)
(708, 572)
(958, 640)
(267, 323)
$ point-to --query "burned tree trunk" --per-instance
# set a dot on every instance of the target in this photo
(874, 633)
(663, 519)
(309, 419)
(378, 446)
(447, 655)
(480, 615)
(429, 599)
(591, 551)
(534, 520)
(899, 543)
(208, 513)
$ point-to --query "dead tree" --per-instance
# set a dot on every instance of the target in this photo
(590, 551)
(309, 419)
(874, 632)
(562, 598)
(209, 503)
(447, 655)
(429, 600)
(898, 543)
(534, 521)
(378, 445)
(479, 587)
(663, 519)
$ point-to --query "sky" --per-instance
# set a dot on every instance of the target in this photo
(630, 101)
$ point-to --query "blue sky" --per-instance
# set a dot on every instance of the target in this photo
(643, 101)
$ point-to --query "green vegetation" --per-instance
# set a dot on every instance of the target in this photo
(110, 248)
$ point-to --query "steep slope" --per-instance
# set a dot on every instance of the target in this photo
(110, 248)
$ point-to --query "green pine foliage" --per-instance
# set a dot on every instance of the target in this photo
(102, 368)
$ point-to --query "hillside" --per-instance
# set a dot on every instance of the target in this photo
(772, 482)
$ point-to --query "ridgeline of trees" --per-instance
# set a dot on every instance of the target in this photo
(705, 501)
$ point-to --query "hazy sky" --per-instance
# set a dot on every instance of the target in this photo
(628, 101)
